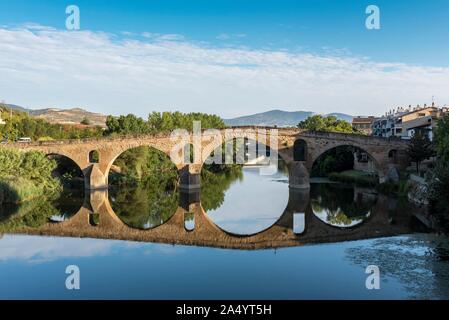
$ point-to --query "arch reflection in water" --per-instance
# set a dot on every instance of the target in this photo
(189, 221)
(143, 187)
(299, 223)
(67, 204)
(342, 206)
(243, 201)
(39, 211)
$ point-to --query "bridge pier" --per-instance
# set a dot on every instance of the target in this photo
(186, 199)
(94, 179)
(189, 178)
(298, 176)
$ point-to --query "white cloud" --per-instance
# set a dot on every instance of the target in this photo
(43, 67)
(34, 249)
(41, 249)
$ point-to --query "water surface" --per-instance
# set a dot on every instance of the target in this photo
(268, 242)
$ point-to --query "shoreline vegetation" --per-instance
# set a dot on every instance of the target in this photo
(26, 175)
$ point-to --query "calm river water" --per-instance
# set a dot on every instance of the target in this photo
(271, 243)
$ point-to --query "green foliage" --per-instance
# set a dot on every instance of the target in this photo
(438, 180)
(328, 124)
(356, 177)
(144, 206)
(30, 214)
(129, 124)
(438, 191)
(144, 187)
(420, 148)
(442, 140)
(25, 175)
(145, 165)
(398, 189)
(160, 122)
(335, 160)
(339, 204)
(215, 180)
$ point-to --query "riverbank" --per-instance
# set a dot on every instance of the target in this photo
(26, 176)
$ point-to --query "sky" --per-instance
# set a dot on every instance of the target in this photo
(226, 57)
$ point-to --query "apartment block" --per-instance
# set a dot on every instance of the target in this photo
(404, 122)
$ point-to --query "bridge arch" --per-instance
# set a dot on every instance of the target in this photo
(377, 165)
(108, 161)
(249, 142)
(151, 196)
(66, 164)
(300, 150)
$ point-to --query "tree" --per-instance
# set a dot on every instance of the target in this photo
(161, 122)
(420, 148)
(85, 121)
(438, 179)
(442, 141)
(328, 124)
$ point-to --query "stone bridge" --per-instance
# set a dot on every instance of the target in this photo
(299, 149)
(384, 220)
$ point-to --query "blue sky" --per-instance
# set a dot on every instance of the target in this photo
(413, 33)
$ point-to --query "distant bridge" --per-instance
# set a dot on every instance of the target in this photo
(299, 149)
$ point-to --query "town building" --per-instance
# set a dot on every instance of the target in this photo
(363, 124)
(404, 122)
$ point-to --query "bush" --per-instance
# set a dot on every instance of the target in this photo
(399, 189)
(354, 177)
(438, 193)
(25, 175)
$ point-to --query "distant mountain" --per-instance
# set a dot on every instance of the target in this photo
(278, 118)
(63, 116)
(17, 108)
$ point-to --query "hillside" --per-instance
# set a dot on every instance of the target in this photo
(279, 118)
(64, 116)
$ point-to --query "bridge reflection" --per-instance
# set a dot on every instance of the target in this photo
(384, 221)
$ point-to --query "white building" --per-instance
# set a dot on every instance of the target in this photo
(403, 123)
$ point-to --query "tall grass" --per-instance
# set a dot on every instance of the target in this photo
(25, 176)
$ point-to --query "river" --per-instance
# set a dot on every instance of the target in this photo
(244, 236)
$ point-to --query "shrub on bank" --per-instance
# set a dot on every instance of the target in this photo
(354, 177)
(400, 188)
(25, 175)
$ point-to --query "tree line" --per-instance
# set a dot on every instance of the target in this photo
(160, 122)
(21, 124)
